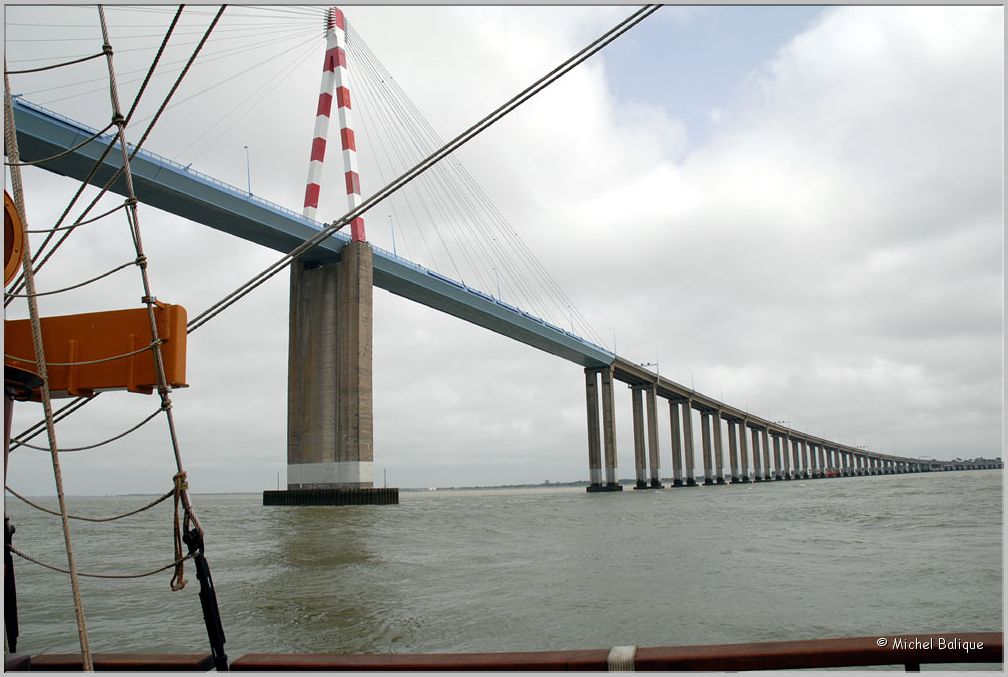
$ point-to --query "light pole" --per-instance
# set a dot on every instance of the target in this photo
(613, 330)
(248, 169)
(570, 311)
(392, 228)
(692, 384)
(497, 275)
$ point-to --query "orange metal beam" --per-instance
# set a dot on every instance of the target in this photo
(71, 340)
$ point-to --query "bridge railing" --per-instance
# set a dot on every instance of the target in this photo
(155, 158)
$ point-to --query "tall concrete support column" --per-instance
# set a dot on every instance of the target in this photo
(756, 456)
(718, 446)
(805, 456)
(705, 439)
(822, 460)
(795, 449)
(609, 430)
(638, 435)
(743, 452)
(781, 444)
(810, 450)
(654, 457)
(330, 427)
(765, 438)
(766, 455)
(677, 480)
(733, 452)
(594, 434)
(688, 447)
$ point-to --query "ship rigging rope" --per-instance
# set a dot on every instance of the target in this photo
(36, 428)
(51, 567)
(83, 518)
(67, 151)
(163, 388)
(82, 363)
(79, 222)
(109, 440)
(52, 66)
(79, 284)
(108, 149)
(425, 164)
(17, 188)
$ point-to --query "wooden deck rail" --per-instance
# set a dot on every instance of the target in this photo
(910, 651)
(818, 653)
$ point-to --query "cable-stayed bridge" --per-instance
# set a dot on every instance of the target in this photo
(759, 449)
(329, 398)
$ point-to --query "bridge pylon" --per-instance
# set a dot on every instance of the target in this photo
(330, 421)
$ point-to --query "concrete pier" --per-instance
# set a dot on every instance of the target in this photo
(688, 446)
(781, 444)
(329, 390)
(718, 446)
(743, 452)
(609, 430)
(638, 435)
(778, 458)
(777, 455)
(705, 438)
(654, 457)
(765, 435)
(594, 434)
(733, 455)
(677, 477)
(805, 456)
(795, 449)
(758, 466)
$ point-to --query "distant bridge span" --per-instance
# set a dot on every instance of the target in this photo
(169, 186)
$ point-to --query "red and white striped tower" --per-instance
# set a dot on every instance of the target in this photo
(335, 84)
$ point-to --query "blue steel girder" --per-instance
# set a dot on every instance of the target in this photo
(171, 187)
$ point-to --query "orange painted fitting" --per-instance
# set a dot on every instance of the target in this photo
(95, 336)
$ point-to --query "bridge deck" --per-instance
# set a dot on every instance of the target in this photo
(169, 186)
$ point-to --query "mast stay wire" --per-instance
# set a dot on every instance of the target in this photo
(139, 144)
(37, 263)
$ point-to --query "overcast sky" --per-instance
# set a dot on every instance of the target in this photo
(798, 209)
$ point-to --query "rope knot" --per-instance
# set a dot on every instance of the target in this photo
(107, 49)
(142, 262)
(180, 479)
(118, 120)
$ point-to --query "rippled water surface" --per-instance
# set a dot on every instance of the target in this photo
(537, 569)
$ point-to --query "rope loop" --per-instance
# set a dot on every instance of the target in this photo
(178, 580)
(118, 120)
(142, 262)
(107, 49)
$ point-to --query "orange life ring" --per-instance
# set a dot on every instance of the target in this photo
(13, 239)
